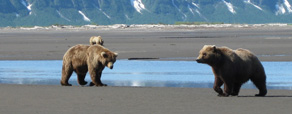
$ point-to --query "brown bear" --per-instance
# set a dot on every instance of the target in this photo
(95, 40)
(233, 68)
(82, 58)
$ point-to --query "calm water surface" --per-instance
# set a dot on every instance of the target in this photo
(138, 73)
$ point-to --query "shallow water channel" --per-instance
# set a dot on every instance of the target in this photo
(138, 73)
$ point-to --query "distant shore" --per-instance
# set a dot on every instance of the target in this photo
(145, 26)
(270, 42)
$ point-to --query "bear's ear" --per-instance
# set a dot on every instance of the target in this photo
(214, 48)
(116, 54)
(103, 54)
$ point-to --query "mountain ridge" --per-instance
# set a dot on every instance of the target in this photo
(106, 12)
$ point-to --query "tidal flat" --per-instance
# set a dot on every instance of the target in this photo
(138, 73)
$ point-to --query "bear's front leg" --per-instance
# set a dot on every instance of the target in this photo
(227, 89)
(99, 81)
(236, 89)
(95, 77)
(217, 86)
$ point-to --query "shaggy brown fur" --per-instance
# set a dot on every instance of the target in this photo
(95, 40)
(233, 68)
(83, 58)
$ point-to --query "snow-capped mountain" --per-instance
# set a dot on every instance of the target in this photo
(104, 12)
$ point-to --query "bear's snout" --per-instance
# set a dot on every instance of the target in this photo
(110, 65)
(199, 60)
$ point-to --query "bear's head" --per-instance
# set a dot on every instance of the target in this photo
(108, 58)
(96, 40)
(209, 54)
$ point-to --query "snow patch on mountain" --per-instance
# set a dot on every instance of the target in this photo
(106, 14)
(27, 5)
(109, 17)
(282, 8)
(184, 15)
(73, 2)
(202, 16)
(191, 10)
(256, 6)
(62, 16)
(17, 15)
(85, 18)
(196, 9)
(128, 18)
(196, 5)
(288, 6)
(138, 5)
(229, 6)
(175, 5)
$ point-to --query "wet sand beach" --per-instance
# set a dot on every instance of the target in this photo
(39, 99)
(269, 43)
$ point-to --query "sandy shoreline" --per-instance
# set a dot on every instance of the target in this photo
(272, 43)
(32, 99)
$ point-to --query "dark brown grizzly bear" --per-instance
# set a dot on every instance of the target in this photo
(83, 58)
(233, 68)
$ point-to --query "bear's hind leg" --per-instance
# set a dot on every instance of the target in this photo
(81, 73)
(81, 77)
(67, 71)
(260, 83)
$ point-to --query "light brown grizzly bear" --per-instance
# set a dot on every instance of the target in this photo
(82, 58)
(95, 40)
(233, 68)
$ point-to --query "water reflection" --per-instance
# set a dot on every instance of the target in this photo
(138, 73)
